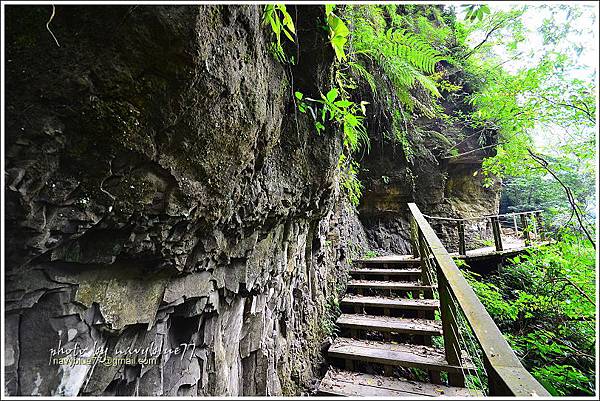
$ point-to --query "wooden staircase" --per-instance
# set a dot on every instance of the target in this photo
(387, 327)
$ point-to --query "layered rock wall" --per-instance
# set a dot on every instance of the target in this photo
(161, 190)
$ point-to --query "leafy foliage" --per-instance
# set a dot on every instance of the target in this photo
(338, 32)
(406, 58)
(332, 312)
(349, 179)
(545, 303)
(476, 12)
(350, 117)
(337, 107)
(280, 21)
(347, 114)
(550, 96)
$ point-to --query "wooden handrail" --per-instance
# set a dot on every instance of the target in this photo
(494, 220)
(482, 217)
(506, 374)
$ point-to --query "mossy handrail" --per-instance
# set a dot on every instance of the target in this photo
(506, 375)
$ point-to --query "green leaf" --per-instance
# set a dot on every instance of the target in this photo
(352, 120)
(288, 22)
(329, 8)
(289, 35)
(338, 43)
(343, 103)
(299, 95)
(332, 95)
(320, 127)
(337, 26)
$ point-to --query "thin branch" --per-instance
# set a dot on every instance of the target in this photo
(542, 162)
(466, 138)
(586, 296)
(474, 150)
(589, 115)
(494, 29)
(516, 56)
(48, 25)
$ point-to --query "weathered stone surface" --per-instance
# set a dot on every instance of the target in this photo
(440, 186)
(161, 191)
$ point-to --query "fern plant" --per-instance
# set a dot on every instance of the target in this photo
(349, 181)
(406, 59)
(398, 63)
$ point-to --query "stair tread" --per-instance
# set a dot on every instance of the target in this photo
(407, 355)
(391, 285)
(346, 383)
(386, 302)
(390, 272)
(393, 324)
(391, 260)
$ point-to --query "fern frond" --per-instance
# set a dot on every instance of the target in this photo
(428, 84)
(362, 72)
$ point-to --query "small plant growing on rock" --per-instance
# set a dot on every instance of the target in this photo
(276, 16)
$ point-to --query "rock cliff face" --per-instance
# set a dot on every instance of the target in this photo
(439, 188)
(440, 185)
(160, 190)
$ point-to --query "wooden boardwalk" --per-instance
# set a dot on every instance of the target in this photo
(387, 327)
(399, 310)
(511, 247)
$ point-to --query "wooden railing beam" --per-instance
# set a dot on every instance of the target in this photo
(504, 368)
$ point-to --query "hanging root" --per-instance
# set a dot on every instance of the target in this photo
(48, 25)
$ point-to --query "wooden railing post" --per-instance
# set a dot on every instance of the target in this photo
(450, 328)
(426, 271)
(414, 237)
(497, 233)
(540, 224)
(534, 225)
(525, 225)
(462, 247)
(496, 386)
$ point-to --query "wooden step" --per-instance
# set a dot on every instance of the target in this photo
(353, 384)
(392, 303)
(407, 355)
(390, 260)
(423, 327)
(390, 285)
(386, 272)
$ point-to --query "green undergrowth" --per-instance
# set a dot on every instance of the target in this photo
(544, 303)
